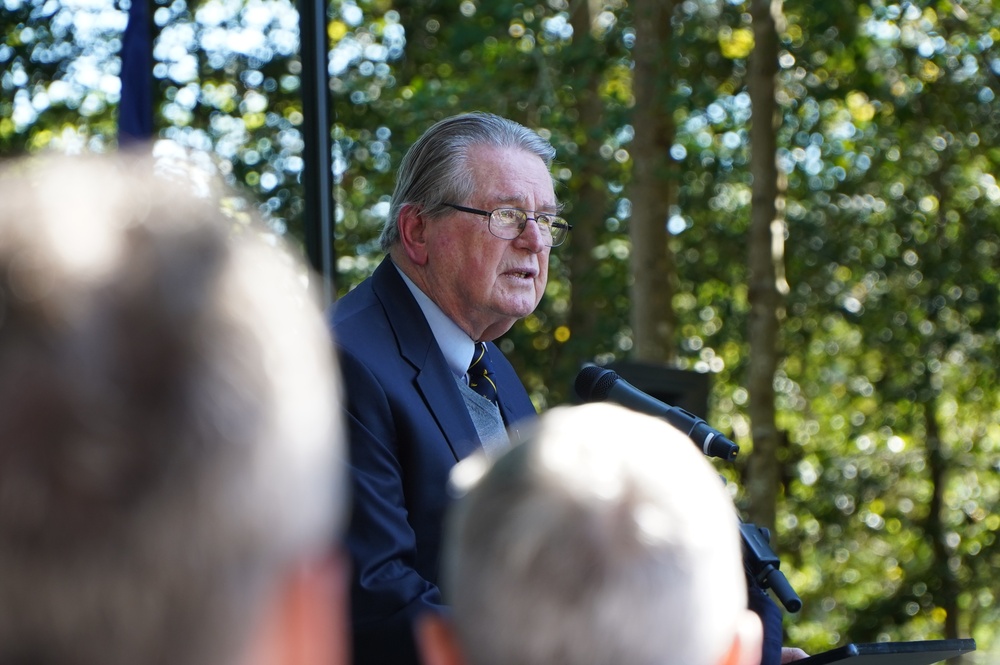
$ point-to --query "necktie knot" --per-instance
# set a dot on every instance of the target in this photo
(481, 374)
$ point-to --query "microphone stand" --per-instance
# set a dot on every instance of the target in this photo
(594, 383)
(762, 564)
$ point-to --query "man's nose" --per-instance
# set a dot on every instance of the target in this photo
(531, 237)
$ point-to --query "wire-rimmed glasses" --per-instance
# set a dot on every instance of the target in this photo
(509, 223)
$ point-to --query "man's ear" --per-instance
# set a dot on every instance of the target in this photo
(747, 644)
(306, 622)
(413, 233)
(436, 640)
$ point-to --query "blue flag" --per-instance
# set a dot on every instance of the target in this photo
(135, 109)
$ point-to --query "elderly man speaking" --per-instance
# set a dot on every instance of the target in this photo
(472, 221)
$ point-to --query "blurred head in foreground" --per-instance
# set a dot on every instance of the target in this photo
(170, 451)
(606, 538)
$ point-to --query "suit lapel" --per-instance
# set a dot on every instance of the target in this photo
(417, 345)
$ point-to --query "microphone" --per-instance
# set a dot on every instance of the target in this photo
(596, 384)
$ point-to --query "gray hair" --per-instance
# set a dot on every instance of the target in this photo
(435, 170)
(605, 538)
(169, 438)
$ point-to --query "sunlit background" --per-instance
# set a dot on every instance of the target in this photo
(887, 150)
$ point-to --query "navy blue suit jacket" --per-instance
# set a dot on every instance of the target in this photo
(408, 426)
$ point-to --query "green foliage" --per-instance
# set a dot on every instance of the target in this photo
(887, 520)
(58, 86)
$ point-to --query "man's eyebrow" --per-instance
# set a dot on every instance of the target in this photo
(518, 201)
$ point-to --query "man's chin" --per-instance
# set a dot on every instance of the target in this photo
(519, 312)
(499, 327)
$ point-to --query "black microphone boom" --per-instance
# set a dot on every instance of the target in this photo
(596, 384)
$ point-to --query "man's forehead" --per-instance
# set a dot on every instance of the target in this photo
(511, 176)
(517, 191)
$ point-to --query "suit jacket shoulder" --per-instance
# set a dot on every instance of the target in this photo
(408, 426)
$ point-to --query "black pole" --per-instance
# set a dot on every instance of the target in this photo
(135, 107)
(762, 564)
(317, 175)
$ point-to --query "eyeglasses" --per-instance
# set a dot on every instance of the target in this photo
(509, 223)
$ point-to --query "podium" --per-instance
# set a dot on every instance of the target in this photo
(893, 653)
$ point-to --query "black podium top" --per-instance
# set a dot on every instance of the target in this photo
(893, 653)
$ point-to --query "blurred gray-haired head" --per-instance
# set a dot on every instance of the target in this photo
(605, 538)
(169, 435)
(435, 169)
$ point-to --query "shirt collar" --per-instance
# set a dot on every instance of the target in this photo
(456, 345)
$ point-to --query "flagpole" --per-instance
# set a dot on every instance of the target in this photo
(135, 107)
(317, 177)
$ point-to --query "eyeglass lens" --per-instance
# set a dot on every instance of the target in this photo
(509, 222)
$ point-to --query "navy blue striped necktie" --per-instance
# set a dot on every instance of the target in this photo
(481, 374)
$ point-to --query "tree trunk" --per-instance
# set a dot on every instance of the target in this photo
(766, 250)
(654, 187)
(946, 596)
(591, 201)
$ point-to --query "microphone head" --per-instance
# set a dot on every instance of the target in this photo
(593, 383)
